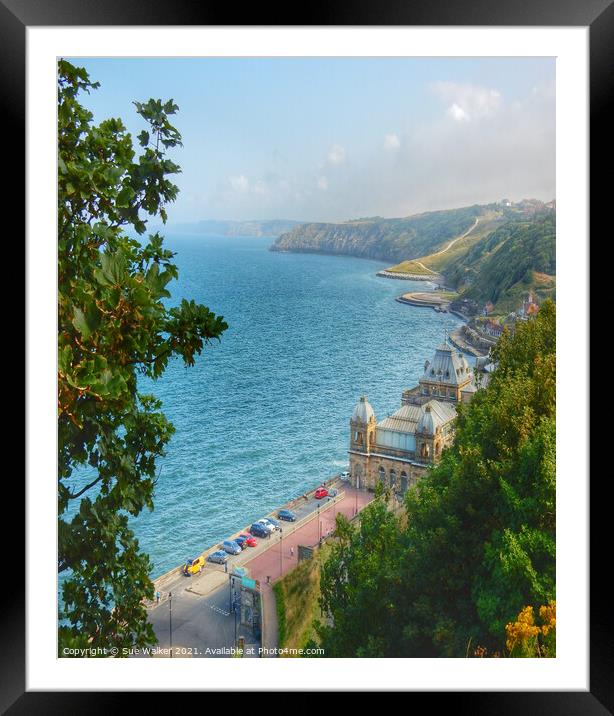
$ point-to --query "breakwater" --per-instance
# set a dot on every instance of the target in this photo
(432, 300)
(400, 276)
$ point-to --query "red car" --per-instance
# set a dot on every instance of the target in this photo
(320, 493)
(249, 540)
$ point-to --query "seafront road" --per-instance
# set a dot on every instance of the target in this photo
(202, 624)
(282, 554)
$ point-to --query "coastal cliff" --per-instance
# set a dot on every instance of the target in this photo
(378, 238)
(488, 253)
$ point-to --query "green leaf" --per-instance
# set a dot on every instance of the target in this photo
(86, 322)
(125, 197)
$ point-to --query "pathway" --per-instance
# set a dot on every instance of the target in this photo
(448, 247)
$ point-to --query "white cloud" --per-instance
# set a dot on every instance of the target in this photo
(239, 183)
(475, 148)
(261, 188)
(392, 143)
(458, 113)
(336, 155)
(466, 101)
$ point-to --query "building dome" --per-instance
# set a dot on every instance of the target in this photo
(363, 411)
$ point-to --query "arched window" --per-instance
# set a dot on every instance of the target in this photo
(382, 474)
(393, 478)
(404, 481)
(357, 475)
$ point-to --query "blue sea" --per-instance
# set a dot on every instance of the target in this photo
(264, 414)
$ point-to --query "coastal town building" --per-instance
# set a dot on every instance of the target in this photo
(493, 329)
(529, 308)
(400, 448)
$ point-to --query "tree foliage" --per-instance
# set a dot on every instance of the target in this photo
(113, 326)
(358, 583)
(500, 267)
(480, 537)
(527, 639)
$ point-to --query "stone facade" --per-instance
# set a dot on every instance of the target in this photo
(398, 450)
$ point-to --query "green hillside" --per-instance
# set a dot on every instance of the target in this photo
(384, 239)
(517, 257)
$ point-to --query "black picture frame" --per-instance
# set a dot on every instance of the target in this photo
(17, 15)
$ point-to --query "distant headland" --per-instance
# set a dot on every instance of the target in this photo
(271, 228)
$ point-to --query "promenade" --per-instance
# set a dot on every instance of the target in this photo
(282, 553)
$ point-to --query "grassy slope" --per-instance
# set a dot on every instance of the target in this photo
(297, 596)
(437, 262)
(411, 267)
(506, 256)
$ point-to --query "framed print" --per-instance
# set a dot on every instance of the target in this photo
(307, 349)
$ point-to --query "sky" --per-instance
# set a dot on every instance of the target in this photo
(332, 139)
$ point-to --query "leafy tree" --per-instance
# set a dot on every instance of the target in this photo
(501, 266)
(479, 543)
(358, 582)
(113, 326)
(481, 528)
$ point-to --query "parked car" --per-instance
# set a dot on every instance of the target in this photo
(231, 547)
(287, 515)
(249, 541)
(332, 493)
(259, 530)
(268, 526)
(345, 476)
(320, 493)
(194, 566)
(273, 522)
(219, 557)
(240, 540)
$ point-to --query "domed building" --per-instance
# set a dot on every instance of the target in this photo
(401, 447)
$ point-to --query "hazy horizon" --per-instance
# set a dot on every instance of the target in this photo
(335, 139)
(228, 220)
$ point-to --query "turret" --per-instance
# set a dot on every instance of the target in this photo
(362, 426)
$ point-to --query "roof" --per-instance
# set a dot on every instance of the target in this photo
(448, 367)
(409, 417)
(404, 420)
(434, 415)
(363, 411)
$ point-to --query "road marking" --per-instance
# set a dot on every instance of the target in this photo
(219, 611)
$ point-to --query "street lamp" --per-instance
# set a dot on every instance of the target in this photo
(170, 620)
(281, 566)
